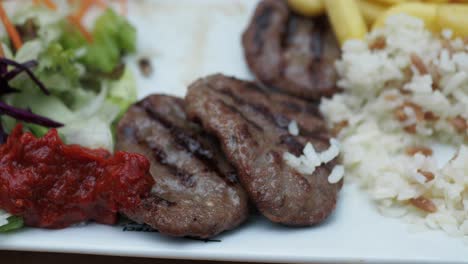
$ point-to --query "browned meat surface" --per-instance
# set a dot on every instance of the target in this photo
(196, 192)
(251, 125)
(291, 53)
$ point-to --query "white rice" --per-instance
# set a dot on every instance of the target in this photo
(390, 106)
(293, 128)
(311, 159)
(336, 175)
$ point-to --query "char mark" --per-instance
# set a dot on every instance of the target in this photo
(190, 144)
(317, 35)
(159, 200)
(262, 22)
(181, 137)
(277, 120)
(161, 157)
(205, 155)
(291, 106)
(234, 110)
(313, 109)
(291, 29)
(155, 115)
(294, 146)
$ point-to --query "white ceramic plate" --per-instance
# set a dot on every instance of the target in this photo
(188, 39)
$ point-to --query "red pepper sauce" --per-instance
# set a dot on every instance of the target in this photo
(53, 185)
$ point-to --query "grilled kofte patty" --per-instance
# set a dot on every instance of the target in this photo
(196, 192)
(252, 127)
(291, 53)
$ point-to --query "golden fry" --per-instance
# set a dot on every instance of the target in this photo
(454, 17)
(346, 19)
(425, 11)
(307, 7)
(436, 17)
(371, 10)
(390, 2)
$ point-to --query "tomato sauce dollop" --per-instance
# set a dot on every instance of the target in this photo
(53, 185)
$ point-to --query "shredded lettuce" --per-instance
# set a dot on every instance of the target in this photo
(29, 51)
(3, 217)
(118, 28)
(71, 38)
(86, 101)
(89, 125)
(14, 222)
(123, 92)
(58, 68)
(112, 37)
(9, 222)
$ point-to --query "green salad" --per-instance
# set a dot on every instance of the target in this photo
(88, 84)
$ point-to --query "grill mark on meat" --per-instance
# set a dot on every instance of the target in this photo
(291, 106)
(320, 135)
(204, 155)
(317, 41)
(160, 200)
(161, 157)
(259, 87)
(282, 121)
(291, 28)
(155, 116)
(294, 146)
(310, 108)
(262, 21)
(313, 110)
(191, 145)
(316, 48)
(278, 120)
(244, 133)
(234, 110)
(256, 107)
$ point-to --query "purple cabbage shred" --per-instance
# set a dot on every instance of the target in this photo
(24, 115)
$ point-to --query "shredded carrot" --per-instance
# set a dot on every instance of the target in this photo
(10, 28)
(50, 4)
(2, 53)
(101, 4)
(84, 8)
(81, 12)
(37, 2)
(75, 21)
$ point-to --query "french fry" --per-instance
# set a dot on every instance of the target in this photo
(307, 7)
(454, 17)
(436, 1)
(390, 2)
(425, 11)
(346, 19)
(435, 16)
(371, 10)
